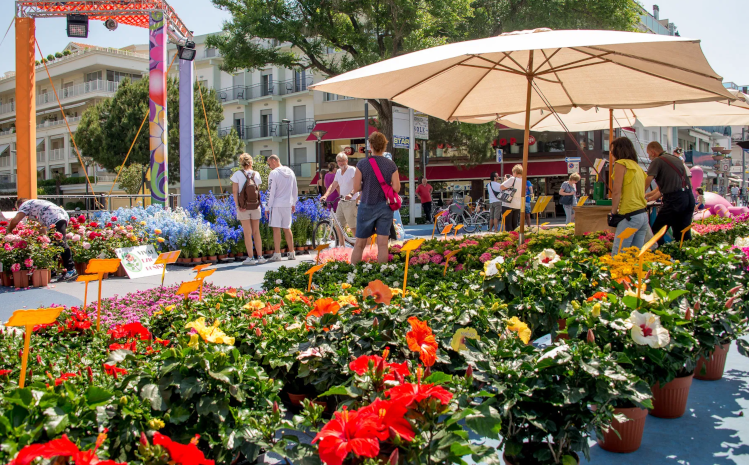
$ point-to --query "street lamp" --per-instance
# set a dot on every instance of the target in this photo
(318, 135)
(288, 144)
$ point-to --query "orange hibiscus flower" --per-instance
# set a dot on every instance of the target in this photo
(421, 339)
(597, 296)
(323, 306)
(379, 291)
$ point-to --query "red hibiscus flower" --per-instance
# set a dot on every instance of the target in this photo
(164, 342)
(390, 413)
(112, 370)
(64, 377)
(63, 447)
(410, 393)
(322, 307)
(421, 339)
(94, 224)
(401, 369)
(182, 454)
(597, 296)
(5, 372)
(348, 432)
(134, 330)
(117, 346)
(362, 364)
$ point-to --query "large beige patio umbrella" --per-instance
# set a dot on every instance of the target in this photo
(539, 69)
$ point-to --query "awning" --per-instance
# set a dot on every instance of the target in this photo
(483, 171)
(57, 108)
(3, 148)
(351, 129)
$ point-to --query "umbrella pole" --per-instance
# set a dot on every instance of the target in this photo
(530, 78)
(611, 157)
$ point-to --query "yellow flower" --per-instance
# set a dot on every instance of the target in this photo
(157, 231)
(458, 343)
(158, 312)
(518, 326)
(169, 308)
(210, 333)
(596, 310)
(345, 286)
(155, 424)
(143, 223)
(396, 291)
(348, 300)
(194, 338)
(160, 240)
(254, 305)
(293, 295)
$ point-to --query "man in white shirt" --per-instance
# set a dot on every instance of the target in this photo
(346, 212)
(282, 197)
(735, 194)
(496, 207)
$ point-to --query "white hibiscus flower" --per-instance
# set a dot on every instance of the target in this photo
(645, 328)
(546, 257)
(490, 267)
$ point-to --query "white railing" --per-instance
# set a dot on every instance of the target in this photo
(40, 157)
(91, 49)
(48, 124)
(5, 133)
(5, 161)
(7, 107)
(57, 155)
(80, 89)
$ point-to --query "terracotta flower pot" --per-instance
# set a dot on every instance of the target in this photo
(197, 259)
(299, 249)
(713, 368)
(21, 279)
(222, 257)
(81, 267)
(671, 399)
(40, 278)
(561, 333)
(212, 258)
(7, 278)
(121, 273)
(631, 432)
(231, 255)
(296, 399)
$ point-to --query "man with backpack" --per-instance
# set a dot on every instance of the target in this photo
(282, 197)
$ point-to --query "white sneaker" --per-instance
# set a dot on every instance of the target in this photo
(262, 260)
(290, 256)
(250, 261)
(275, 258)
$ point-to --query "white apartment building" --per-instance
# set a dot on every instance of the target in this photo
(255, 104)
(83, 76)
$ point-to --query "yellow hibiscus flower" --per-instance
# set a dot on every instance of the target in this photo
(348, 300)
(596, 310)
(254, 305)
(293, 295)
(518, 326)
(458, 343)
(210, 333)
(345, 286)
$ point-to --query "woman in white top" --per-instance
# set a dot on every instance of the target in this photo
(514, 182)
(250, 219)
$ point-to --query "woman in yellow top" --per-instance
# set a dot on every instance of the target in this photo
(628, 200)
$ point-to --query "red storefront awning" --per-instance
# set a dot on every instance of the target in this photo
(352, 129)
(483, 171)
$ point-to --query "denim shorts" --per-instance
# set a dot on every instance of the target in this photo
(372, 218)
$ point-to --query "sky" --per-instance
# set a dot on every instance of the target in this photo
(721, 25)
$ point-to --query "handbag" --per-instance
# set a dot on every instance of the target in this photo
(391, 197)
(614, 220)
(507, 195)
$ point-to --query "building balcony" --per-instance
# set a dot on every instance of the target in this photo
(40, 156)
(49, 124)
(272, 88)
(57, 155)
(260, 131)
(5, 161)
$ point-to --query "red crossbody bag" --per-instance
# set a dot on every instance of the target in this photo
(391, 197)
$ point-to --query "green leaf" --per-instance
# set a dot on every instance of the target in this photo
(223, 375)
(438, 377)
(151, 393)
(96, 396)
(22, 397)
(55, 421)
(350, 391)
(179, 415)
(119, 355)
(485, 423)
(191, 386)
(569, 460)
(675, 294)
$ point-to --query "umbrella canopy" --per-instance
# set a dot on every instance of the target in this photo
(722, 113)
(578, 68)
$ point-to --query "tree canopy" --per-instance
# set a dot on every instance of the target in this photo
(107, 129)
(368, 31)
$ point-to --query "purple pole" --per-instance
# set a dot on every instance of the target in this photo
(187, 142)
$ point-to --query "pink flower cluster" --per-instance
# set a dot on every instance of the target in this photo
(711, 228)
(424, 258)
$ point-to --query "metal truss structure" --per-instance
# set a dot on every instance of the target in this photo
(132, 13)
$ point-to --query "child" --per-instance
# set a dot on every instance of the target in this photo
(700, 202)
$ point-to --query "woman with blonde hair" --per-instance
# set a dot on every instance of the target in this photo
(514, 205)
(246, 192)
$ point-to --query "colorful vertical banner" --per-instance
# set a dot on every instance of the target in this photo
(157, 90)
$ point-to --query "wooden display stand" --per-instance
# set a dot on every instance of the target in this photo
(591, 218)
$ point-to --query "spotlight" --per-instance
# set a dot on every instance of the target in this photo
(78, 26)
(186, 52)
(110, 24)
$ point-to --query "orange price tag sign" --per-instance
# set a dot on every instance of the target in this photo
(447, 259)
(187, 287)
(103, 265)
(446, 229)
(311, 272)
(167, 257)
(87, 278)
(627, 233)
(29, 318)
(684, 231)
(412, 245)
(203, 274)
(653, 240)
(202, 266)
(582, 200)
(455, 231)
(319, 249)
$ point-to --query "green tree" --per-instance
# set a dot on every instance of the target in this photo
(108, 128)
(365, 31)
(131, 178)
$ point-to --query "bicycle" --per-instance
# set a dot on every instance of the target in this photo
(476, 219)
(329, 230)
